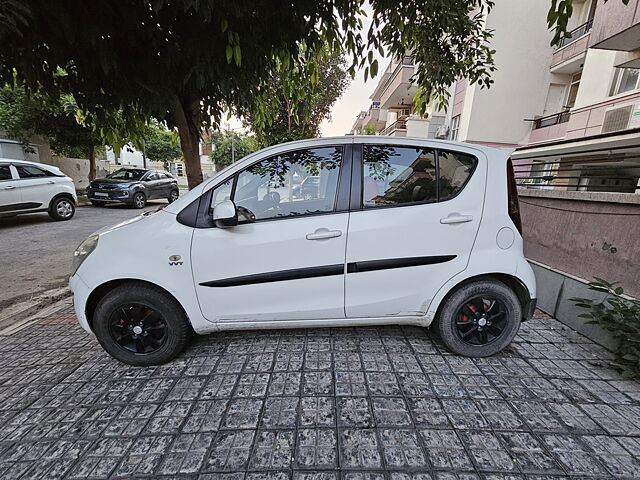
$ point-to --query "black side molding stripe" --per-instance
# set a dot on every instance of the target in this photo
(327, 270)
(19, 206)
(372, 265)
(279, 276)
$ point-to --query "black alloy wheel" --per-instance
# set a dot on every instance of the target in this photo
(481, 320)
(137, 328)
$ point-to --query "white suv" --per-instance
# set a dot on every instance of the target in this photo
(29, 187)
(400, 231)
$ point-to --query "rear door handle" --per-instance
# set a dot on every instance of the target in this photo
(323, 233)
(456, 219)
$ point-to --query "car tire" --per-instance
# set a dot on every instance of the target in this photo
(62, 208)
(173, 196)
(97, 203)
(159, 326)
(479, 319)
(139, 200)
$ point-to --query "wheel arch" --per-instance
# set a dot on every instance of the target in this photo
(100, 291)
(511, 281)
(66, 195)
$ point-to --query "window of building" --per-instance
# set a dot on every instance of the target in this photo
(278, 186)
(455, 126)
(572, 91)
(624, 80)
(396, 175)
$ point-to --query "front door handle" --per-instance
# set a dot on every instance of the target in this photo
(323, 233)
(455, 218)
(9, 188)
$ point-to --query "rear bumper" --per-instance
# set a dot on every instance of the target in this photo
(529, 309)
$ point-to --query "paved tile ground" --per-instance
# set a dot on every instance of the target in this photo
(354, 403)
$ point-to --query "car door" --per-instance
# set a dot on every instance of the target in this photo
(37, 186)
(417, 211)
(153, 185)
(285, 259)
(9, 190)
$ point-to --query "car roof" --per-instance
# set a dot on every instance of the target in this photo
(24, 162)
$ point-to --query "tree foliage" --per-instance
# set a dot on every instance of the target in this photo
(186, 62)
(160, 144)
(228, 145)
(299, 107)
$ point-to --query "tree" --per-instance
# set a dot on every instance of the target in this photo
(369, 130)
(301, 106)
(229, 145)
(160, 144)
(186, 62)
(23, 115)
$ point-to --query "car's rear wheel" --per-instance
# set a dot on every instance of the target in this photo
(173, 196)
(480, 319)
(141, 325)
(139, 200)
(62, 208)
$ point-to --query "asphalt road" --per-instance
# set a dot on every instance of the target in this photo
(36, 252)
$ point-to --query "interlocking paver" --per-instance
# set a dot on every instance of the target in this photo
(371, 403)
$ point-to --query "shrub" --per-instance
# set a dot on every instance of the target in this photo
(620, 316)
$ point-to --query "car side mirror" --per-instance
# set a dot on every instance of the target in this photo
(225, 214)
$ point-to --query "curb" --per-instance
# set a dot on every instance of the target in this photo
(33, 308)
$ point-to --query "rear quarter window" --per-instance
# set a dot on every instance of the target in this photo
(455, 169)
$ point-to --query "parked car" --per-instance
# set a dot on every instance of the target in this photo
(308, 188)
(30, 187)
(404, 231)
(133, 186)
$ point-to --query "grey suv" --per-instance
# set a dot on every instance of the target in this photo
(133, 186)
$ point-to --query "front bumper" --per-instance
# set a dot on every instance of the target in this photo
(102, 195)
(81, 294)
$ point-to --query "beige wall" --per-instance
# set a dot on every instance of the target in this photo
(597, 75)
(521, 40)
(78, 170)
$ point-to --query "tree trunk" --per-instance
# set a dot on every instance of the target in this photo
(185, 114)
(92, 163)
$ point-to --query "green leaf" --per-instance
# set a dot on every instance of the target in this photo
(229, 52)
(237, 54)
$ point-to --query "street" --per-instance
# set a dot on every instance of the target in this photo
(43, 259)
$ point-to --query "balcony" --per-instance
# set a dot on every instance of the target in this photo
(396, 129)
(569, 55)
(551, 127)
(399, 87)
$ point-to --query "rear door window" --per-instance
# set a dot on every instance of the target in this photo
(29, 171)
(5, 172)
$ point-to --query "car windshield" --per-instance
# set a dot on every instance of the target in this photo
(127, 174)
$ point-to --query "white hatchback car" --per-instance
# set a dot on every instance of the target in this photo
(30, 187)
(400, 231)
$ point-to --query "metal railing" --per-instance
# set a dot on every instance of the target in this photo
(550, 120)
(397, 125)
(576, 33)
(578, 175)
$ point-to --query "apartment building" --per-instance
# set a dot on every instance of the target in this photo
(392, 109)
(586, 134)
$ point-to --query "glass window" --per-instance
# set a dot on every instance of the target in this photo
(153, 176)
(29, 171)
(455, 170)
(455, 126)
(624, 80)
(5, 172)
(221, 193)
(127, 174)
(284, 185)
(396, 175)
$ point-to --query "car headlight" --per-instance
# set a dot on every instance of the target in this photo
(82, 252)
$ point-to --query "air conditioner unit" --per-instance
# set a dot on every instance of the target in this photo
(442, 132)
(621, 118)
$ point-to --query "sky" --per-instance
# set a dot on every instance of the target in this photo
(353, 101)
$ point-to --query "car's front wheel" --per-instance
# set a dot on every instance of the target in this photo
(139, 200)
(62, 208)
(141, 325)
(480, 318)
(173, 196)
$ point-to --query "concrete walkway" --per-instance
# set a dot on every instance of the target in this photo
(354, 403)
